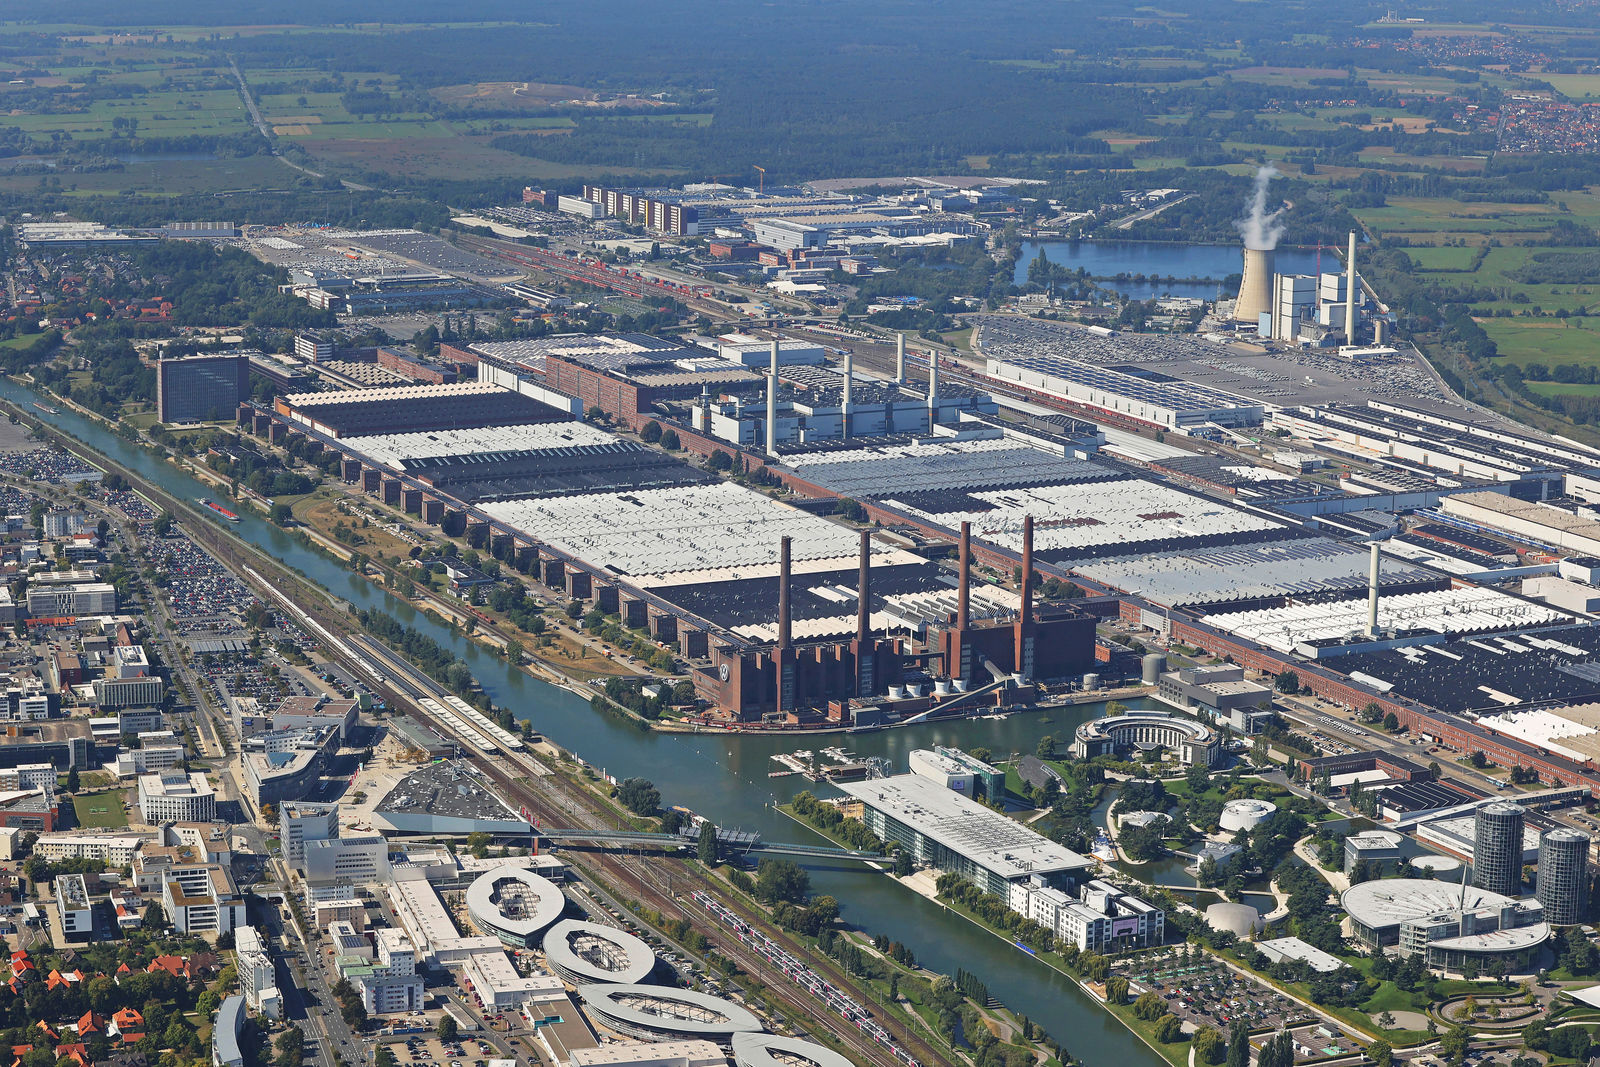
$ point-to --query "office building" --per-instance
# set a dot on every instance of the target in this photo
(200, 388)
(114, 850)
(388, 983)
(350, 860)
(129, 692)
(257, 976)
(1563, 879)
(72, 907)
(1497, 855)
(300, 821)
(200, 898)
(952, 832)
(226, 1050)
(1101, 918)
(176, 796)
(1378, 849)
(92, 598)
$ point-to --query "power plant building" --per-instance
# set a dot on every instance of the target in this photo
(1169, 404)
(1255, 287)
(1497, 857)
(1563, 877)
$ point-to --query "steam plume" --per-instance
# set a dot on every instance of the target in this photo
(1259, 229)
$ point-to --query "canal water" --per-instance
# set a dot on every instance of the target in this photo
(725, 776)
(1153, 259)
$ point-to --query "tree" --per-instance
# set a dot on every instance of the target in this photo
(1453, 1044)
(1046, 748)
(651, 432)
(1208, 1047)
(1372, 713)
(447, 1028)
(1287, 682)
(72, 780)
(281, 515)
(1238, 1045)
(903, 863)
(669, 441)
(640, 796)
(782, 880)
(1478, 759)
(1117, 990)
(1380, 1053)
(162, 525)
(478, 844)
(1150, 1007)
(1168, 1029)
(707, 849)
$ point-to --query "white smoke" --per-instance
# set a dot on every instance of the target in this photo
(1260, 229)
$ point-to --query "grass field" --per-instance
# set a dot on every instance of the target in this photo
(100, 810)
(1548, 341)
(168, 177)
(1564, 388)
(1442, 259)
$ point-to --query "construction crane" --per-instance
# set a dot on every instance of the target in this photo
(763, 171)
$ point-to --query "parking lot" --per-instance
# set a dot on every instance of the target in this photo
(1202, 992)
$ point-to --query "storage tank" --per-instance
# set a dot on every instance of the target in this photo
(1441, 867)
(1151, 667)
(1091, 681)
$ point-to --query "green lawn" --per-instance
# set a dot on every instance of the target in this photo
(1548, 341)
(100, 810)
(1568, 389)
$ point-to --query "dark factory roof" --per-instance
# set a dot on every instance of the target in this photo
(753, 601)
(1553, 665)
(1233, 538)
(615, 466)
(1425, 795)
(1455, 535)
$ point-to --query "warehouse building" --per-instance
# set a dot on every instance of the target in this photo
(946, 830)
(1143, 396)
(414, 408)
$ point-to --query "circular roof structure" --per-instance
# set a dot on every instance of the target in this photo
(514, 904)
(1389, 903)
(769, 1050)
(1241, 920)
(651, 1012)
(1438, 866)
(585, 952)
(1245, 814)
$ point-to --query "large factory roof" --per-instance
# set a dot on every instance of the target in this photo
(446, 789)
(1492, 672)
(1089, 519)
(1169, 394)
(667, 534)
(307, 401)
(962, 825)
(1447, 611)
(1493, 446)
(606, 351)
(1307, 567)
(1572, 731)
(391, 449)
(875, 470)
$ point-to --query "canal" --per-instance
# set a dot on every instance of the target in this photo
(723, 776)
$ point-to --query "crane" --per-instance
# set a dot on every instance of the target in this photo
(763, 171)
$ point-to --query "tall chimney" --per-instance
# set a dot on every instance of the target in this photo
(772, 402)
(864, 589)
(1350, 293)
(899, 359)
(1372, 594)
(783, 595)
(847, 407)
(1021, 662)
(933, 390)
(962, 593)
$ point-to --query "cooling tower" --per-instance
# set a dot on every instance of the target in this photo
(1255, 290)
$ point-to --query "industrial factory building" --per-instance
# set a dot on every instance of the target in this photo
(416, 408)
(1144, 397)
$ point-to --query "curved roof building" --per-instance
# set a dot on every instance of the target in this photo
(1246, 813)
(1241, 920)
(585, 952)
(653, 1013)
(1193, 742)
(1453, 925)
(769, 1050)
(514, 904)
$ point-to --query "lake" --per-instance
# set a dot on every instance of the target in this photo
(1106, 259)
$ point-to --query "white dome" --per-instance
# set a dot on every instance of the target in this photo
(1245, 814)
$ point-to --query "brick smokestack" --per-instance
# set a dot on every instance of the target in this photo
(1024, 633)
(963, 614)
(864, 589)
(783, 595)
